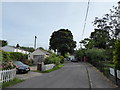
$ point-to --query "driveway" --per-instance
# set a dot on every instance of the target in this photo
(72, 75)
(28, 75)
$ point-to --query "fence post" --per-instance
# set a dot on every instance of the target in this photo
(115, 75)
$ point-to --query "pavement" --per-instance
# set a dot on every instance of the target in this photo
(72, 75)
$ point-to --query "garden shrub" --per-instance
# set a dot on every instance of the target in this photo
(8, 57)
(95, 55)
(17, 56)
(54, 59)
(80, 54)
(5, 56)
(29, 62)
(116, 54)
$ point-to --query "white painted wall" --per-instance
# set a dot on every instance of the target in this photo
(47, 67)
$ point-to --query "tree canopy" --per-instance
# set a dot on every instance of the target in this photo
(3, 43)
(62, 41)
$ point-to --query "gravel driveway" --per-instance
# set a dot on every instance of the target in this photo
(29, 74)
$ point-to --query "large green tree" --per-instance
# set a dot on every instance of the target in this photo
(101, 38)
(110, 22)
(3, 43)
(62, 41)
(87, 43)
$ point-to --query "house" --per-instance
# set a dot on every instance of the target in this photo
(38, 56)
(13, 49)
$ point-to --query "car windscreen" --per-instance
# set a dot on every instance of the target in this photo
(19, 63)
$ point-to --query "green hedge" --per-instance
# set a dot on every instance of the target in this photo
(96, 55)
(7, 56)
(116, 54)
(54, 59)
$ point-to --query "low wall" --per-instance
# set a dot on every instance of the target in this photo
(47, 67)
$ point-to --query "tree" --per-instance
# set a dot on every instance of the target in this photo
(62, 41)
(41, 48)
(3, 43)
(101, 38)
(110, 22)
(18, 46)
(30, 49)
(87, 43)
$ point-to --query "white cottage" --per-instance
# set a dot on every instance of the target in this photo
(38, 56)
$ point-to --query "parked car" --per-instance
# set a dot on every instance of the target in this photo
(74, 60)
(21, 67)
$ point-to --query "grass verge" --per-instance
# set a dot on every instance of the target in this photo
(50, 70)
(10, 83)
(107, 65)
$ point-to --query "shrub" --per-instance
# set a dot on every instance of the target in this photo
(116, 54)
(8, 65)
(80, 54)
(96, 55)
(5, 56)
(17, 56)
(55, 59)
(29, 62)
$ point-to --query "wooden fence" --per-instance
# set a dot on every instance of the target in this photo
(7, 75)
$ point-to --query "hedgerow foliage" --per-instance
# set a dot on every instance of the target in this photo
(96, 55)
(116, 54)
(7, 56)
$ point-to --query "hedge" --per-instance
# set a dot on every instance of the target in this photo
(7, 59)
(96, 55)
(116, 54)
(7, 56)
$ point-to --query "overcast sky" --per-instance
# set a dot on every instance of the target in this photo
(21, 21)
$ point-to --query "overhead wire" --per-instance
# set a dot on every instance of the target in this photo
(88, 5)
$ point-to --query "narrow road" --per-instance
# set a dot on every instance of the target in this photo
(72, 75)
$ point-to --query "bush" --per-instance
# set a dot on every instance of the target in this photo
(116, 54)
(5, 56)
(17, 56)
(7, 65)
(96, 55)
(54, 59)
(29, 62)
(80, 54)
(109, 55)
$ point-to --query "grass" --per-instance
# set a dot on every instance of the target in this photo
(50, 70)
(107, 65)
(10, 83)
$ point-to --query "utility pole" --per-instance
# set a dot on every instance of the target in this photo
(35, 42)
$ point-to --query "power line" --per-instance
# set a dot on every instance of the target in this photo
(86, 18)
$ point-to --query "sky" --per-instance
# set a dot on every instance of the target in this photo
(22, 21)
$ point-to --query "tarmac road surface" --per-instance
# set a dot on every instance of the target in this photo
(72, 75)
